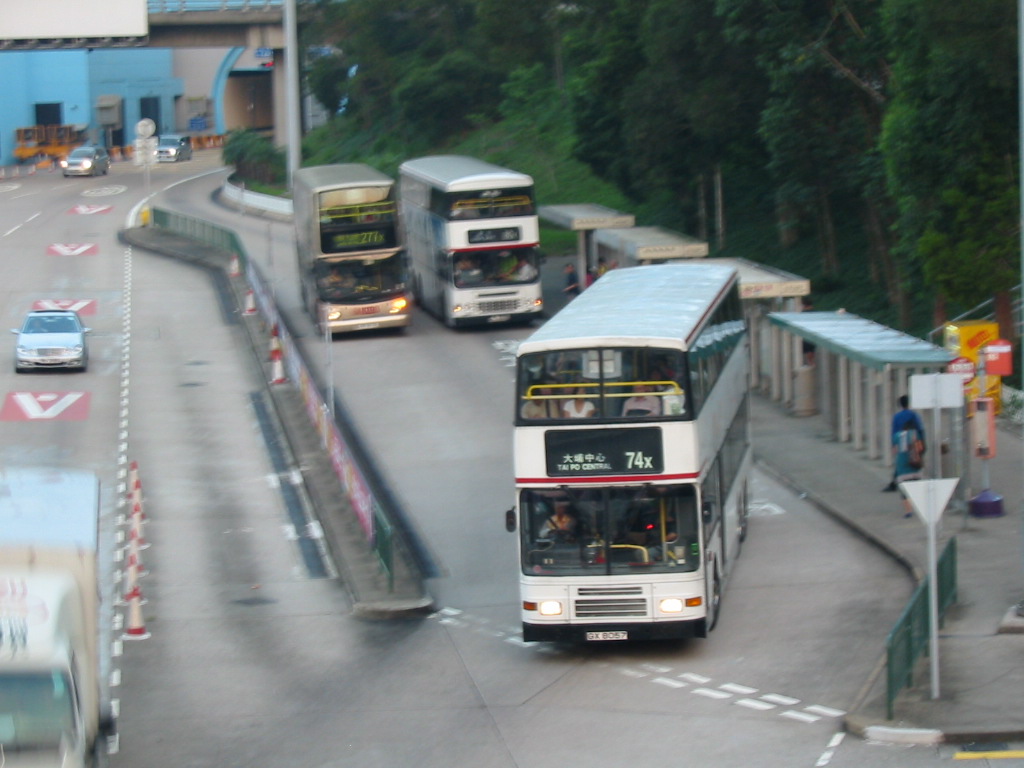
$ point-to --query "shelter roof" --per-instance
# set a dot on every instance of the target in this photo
(864, 341)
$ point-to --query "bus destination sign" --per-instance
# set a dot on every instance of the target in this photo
(579, 452)
(500, 235)
(343, 240)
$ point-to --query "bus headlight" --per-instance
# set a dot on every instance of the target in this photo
(398, 305)
(671, 605)
(334, 314)
(549, 608)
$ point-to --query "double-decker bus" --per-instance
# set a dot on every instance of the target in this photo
(352, 268)
(632, 456)
(472, 234)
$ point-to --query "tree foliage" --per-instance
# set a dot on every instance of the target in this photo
(881, 133)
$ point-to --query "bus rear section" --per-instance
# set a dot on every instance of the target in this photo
(352, 268)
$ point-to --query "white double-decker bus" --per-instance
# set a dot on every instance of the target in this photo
(472, 234)
(632, 456)
(352, 268)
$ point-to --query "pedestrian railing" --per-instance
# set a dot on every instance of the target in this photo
(908, 640)
(373, 504)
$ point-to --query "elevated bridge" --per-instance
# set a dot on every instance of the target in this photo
(159, 24)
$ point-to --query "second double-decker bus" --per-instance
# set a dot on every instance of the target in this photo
(472, 234)
(352, 268)
(632, 456)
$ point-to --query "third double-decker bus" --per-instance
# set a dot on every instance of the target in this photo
(352, 268)
(472, 234)
(632, 456)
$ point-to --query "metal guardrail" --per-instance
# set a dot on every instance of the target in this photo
(179, 6)
(908, 640)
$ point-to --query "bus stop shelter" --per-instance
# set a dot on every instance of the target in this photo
(584, 218)
(644, 245)
(853, 375)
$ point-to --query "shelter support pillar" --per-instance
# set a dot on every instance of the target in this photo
(858, 387)
(843, 382)
(777, 335)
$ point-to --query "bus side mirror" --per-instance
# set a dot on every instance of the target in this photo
(707, 511)
(510, 520)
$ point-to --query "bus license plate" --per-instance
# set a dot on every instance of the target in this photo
(499, 318)
(621, 635)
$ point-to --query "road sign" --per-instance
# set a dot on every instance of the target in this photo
(929, 497)
(962, 366)
(145, 152)
(998, 358)
(145, 128)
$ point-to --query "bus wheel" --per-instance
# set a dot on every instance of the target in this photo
(715, 601)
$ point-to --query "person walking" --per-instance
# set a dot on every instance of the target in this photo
(572, 281)
(902, 420)
(906, 445)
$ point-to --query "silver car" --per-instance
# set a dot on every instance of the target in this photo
(172, 147)
(51, 339)
(86, 161)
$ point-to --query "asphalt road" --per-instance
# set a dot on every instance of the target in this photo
(253, 662)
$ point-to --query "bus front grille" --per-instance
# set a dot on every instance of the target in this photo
(608, 609)
(501, 306)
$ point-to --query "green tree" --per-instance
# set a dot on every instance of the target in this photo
(327, 77)
(950, 145)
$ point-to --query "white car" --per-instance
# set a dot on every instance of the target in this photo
(51, 339)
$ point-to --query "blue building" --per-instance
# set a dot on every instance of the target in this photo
(103, 92)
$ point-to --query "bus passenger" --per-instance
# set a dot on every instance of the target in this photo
(545, 406)
(578, 407)
(642, 404)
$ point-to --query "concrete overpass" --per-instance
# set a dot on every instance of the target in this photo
(165, 24)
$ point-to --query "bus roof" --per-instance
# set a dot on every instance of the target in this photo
(46, 507)
(653, 305)
(456, 173)
(343, 175)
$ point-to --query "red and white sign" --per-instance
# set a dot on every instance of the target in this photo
(72, 249)
(88, 210)
(81, 306)
(999, 358)
(964, 367)
(43, 406)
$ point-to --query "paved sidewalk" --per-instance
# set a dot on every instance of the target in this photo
(981, 648)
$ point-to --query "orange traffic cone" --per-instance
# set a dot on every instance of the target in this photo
(136, 629)
(135, 531)
(276, 362)
(135, 498)
(234, 270)
(250, 302)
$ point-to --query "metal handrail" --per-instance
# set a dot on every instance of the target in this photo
(988, 316)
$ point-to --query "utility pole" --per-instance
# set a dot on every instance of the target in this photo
(292, 57)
